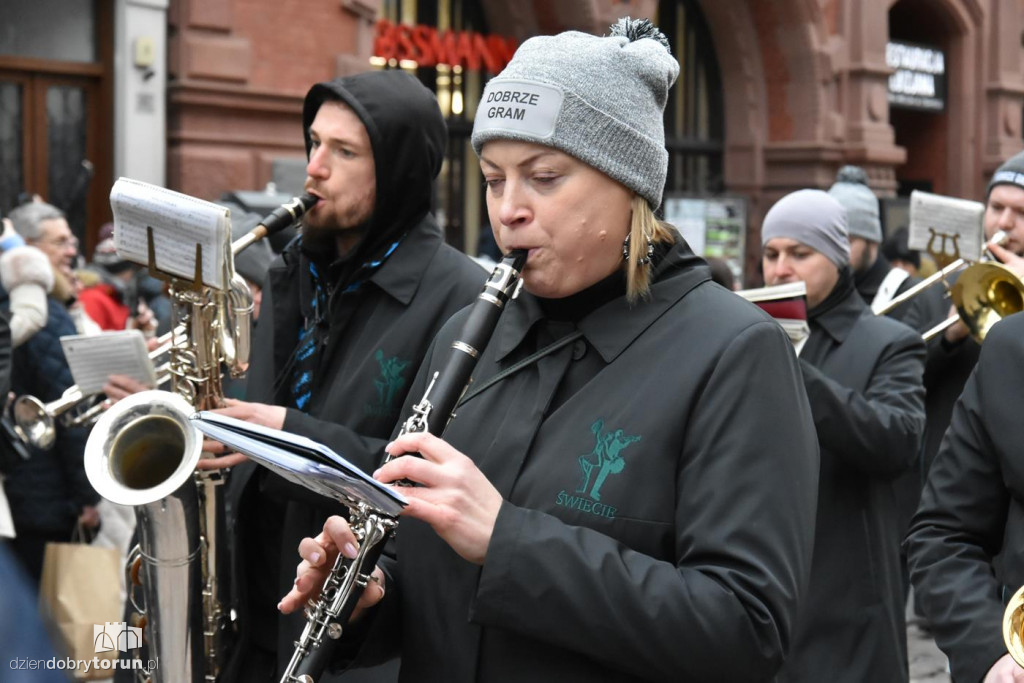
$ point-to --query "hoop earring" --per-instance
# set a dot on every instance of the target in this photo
(643, 260)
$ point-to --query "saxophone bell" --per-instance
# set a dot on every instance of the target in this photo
(142, 452)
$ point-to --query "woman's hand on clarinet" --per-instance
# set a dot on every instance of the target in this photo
(455, 498)
(318, 556)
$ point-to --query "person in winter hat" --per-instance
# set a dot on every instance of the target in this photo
(561, 530)
(347, 314)
(863, 375)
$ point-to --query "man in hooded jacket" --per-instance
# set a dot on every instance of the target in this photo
(863, 376)
(349, 309)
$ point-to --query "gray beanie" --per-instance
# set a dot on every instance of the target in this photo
(810, 217)
(852, 191)
(1010, 173)
(599, 99)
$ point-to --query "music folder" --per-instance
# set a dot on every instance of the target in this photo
(301, 461)
(787, 303)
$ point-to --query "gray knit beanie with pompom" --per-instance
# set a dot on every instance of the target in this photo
(599, 99)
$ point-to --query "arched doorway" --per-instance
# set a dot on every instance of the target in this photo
(929, 104)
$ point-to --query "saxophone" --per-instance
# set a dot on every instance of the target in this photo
(143, 452)
(327, 616)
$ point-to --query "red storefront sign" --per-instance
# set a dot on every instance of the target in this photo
(428, 47)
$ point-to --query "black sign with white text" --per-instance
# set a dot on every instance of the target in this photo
(918, 79)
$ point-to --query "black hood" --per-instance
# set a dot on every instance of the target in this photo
(408, 135)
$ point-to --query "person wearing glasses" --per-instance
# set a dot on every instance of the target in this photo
(49, 493)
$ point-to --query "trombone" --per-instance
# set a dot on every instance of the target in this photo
(35, 422)
(985, 293)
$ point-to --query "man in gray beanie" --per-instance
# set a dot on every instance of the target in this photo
(877, 280)
(878, 283)
(862, 374)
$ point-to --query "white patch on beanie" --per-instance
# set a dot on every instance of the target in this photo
(525, 107)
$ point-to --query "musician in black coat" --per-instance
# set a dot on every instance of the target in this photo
(348, 311)
(863, 375)
(966, 543)
(637, 502)
(879, 282)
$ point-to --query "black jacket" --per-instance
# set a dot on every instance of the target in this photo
(920, 313)
(966, 543)
(863, 374)
(659, 478)
(376, 336)
(47, 491)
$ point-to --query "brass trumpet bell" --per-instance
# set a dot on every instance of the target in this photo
(985, 294)
(1013, 626)
(35, 421)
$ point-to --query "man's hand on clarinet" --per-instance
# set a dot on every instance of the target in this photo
(318, 557)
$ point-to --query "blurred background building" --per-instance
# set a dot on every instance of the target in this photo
(204, 96)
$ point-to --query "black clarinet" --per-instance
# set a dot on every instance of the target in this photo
(327, 616)
(279, 219)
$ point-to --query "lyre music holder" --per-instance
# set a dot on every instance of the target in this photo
(195, 284)
(942, 257)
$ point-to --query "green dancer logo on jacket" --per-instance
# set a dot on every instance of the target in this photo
(388, 385)
(605, 458)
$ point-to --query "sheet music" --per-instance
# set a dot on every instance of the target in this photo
(179, 222)
(93, 358)
(933, 216)
(301, 461)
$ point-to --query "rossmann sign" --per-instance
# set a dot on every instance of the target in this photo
(429, 47)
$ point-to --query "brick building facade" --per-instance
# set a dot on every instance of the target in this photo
(774, 95)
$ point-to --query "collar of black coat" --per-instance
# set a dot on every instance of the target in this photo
(401, 275)
(838, 314)
(611, 328)
(870, 279)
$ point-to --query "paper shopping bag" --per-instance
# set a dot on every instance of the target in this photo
(80, 593)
